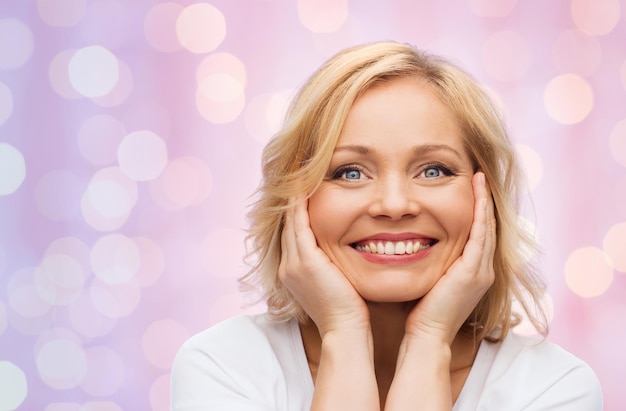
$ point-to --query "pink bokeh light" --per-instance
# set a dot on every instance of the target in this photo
(130, 143)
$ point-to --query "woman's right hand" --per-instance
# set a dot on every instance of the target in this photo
(316, 283)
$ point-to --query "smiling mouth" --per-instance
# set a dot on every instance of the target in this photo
(394, 247)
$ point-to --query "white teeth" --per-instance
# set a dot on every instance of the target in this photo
(400, 248)
(391, 248)
(380, 249)
(409, 247)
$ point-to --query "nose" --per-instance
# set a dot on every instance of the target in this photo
(395, 198)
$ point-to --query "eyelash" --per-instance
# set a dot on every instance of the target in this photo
(446, 171)
(337, 174)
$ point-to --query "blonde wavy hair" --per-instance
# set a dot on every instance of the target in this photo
(297, 158)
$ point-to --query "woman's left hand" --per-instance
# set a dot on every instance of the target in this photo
(444, 309)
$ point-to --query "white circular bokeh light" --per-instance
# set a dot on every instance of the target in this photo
(93, 71)
(12, 169)
(13, 386)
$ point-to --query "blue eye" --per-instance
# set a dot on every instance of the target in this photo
(348, 173)
(352, 174)
(436, 171)
(432, 172)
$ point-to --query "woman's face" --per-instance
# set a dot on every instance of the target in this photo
(396, 205)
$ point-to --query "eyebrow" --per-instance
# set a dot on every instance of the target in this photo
(418, 150)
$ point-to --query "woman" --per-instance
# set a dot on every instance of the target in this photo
(389, 254)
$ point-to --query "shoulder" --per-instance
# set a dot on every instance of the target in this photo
(236, 361)
(240, 342)
(250, 331)
(538, 374)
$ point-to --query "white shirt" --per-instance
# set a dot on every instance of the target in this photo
(251, 362)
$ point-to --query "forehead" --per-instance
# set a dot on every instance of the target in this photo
(401, 111)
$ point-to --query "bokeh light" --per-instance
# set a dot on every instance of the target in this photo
(115, 300)
(221, 81)
(160, 394)
(201, 28)
(108, 199)
(186, 181)
(6, 103)
(93, 71)
(322, 16)
(101, 406)
(617, 141)
(115, 259)
(64, 406)
(532, 165)
(59, 279)
(568, 98)
(12, 169)
(142, 155)
(23, 297)
(87, 320)
(220, 98)
(265, 113)
(162, 340)
(13, 386)
(16, 43)
(61, 13)
(106, 372)
(120, 91)
(152, 261)
(61, 363)
(59, 75)
(588, 272)
(614, 245)
(72, 247)
(596, 17)
(160, 26)
(221, 63)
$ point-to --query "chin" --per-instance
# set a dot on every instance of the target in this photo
(392, 295)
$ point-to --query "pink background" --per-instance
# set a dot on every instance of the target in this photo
(130, 139)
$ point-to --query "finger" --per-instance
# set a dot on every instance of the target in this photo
(490, 220)
(473, 253)
(304, 237)
(289, 250)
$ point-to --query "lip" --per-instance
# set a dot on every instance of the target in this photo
(396, 259)
(396, 237)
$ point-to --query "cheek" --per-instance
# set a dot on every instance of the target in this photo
(460, 212)
(454, 208)
(325, 215)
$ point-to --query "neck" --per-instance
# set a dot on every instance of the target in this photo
(388, 322)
